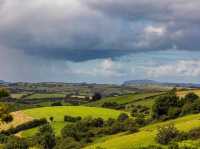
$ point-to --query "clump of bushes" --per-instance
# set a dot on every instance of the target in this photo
(68, 143)
(87, 129)
(169, 133)
(45, 137)
(170, 106)
(4, 93)
(68, 118)
(24, 126)
(166, 134)
(56, 104)
(4, 113)
(138, 109)
(3, 138)
(16, 143)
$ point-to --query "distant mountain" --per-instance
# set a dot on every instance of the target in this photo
(164, 84)
(3, 82)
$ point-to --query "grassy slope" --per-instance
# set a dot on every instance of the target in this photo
(50, 95)
(146, 135)
(125, 99)
(59, 112)
(18, 95)
(183, 93)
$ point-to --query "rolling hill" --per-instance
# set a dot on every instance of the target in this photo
(146, 135)
(59, 112)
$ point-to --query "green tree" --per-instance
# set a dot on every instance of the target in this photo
(166, 134)
(4, 113)
(122, 117)
(162, 104)
(68, 143)
(191, 97)
(46, 137)
(16, 143)
(4, 93)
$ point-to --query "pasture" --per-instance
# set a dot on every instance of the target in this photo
(125, 99)
(46, 95)
(58, 114)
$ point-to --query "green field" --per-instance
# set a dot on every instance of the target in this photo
(146, 135)
(18, 95)
(59, 112)
(46, 95)
(125, 99)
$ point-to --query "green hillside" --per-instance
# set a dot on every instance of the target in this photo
(125, 99)
(146, 135)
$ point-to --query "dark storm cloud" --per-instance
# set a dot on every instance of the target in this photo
(80, 30)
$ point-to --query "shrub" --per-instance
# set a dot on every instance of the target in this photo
(45, 137)
(96, 96)
(56, 104)
(16, 143)
(122, 117)
(173, 146)
(173, 112)
(194, 133)
(191, 97)
(24, 126)
(68, 143)
(186, 109)
(151, 147)
(140, 120)
(110, 122)
(97, 122)
(4, 93)
(51, 118)
(68, 118)
(162, 105)
(130, 125)
(196, 106)
(3, 138)
(6, 118)
(117, 127)
(166, 134)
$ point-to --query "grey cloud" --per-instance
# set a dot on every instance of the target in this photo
(80, 30)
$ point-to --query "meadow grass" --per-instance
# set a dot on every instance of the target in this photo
(58, 114)
(146, 135)
(125, 99)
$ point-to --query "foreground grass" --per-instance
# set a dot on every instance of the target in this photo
(49, 95)
(59, 112)
(146, 136)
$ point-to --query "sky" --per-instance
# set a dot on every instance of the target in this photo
(99, 41)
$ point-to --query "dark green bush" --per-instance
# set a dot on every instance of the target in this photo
(45, 137)
(16, 143)
(166, 134)
(24, 126)
(56, 104)
(68, 143)
(122, 117)
(68, 118)
(3, 138)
